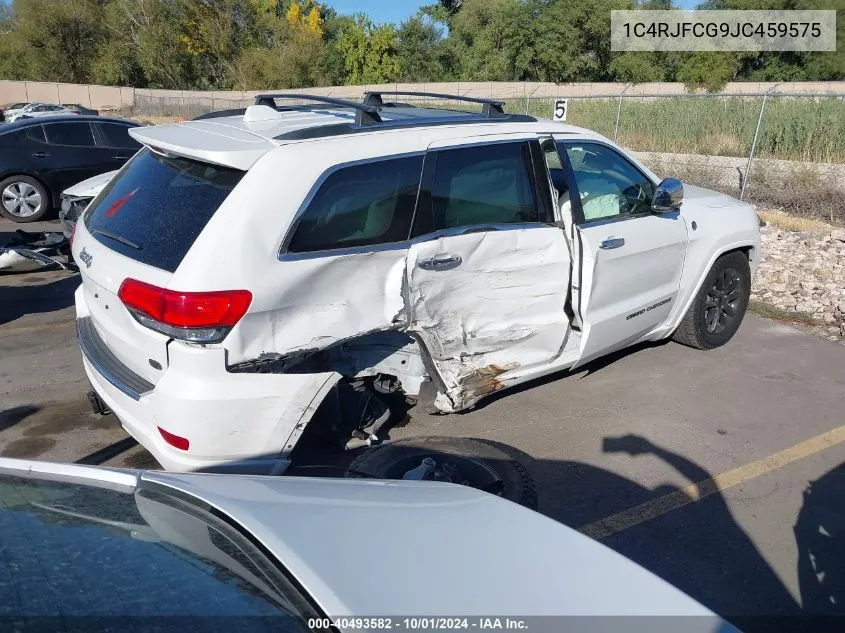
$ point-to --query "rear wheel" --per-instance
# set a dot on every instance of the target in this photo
(470, 462)
(23, 199)
(719, 307)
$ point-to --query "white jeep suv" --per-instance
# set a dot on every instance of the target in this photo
(244, 266)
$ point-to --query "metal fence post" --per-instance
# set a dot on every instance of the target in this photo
(527, 97)
(753, 147)
(619, 112)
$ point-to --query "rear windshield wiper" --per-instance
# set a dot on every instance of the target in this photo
(117, 238)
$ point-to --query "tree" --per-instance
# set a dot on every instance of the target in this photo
(58, 41)
(369, 52)
(285, 52)
(710, 70)
(422, 56)
(144, 39)
(636, 67)
(442, 10)
(480, 41)
(218, 44)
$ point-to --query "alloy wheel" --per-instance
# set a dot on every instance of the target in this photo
(21, 199)
(721, 305)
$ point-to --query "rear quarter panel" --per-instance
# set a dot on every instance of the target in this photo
(14, 154)
(302, 302)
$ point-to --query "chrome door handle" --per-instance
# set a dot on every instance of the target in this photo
(612, 242)
(441, 261)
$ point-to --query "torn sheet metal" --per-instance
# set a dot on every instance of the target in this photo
(315, 303)
(33, 251)
(500, 309)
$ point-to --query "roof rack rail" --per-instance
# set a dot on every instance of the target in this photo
(365, 113)
(219, 113)
(490, 107)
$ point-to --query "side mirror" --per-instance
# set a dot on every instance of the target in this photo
(668, 195)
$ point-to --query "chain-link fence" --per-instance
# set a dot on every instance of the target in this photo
(777, 150)
(183, 107)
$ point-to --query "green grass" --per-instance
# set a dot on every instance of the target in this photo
(793, 128)
(769, 311)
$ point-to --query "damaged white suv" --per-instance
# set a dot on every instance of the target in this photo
(244, 266)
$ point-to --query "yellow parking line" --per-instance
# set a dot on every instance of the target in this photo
(695, 492)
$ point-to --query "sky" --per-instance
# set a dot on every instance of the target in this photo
(379, 10)
(396, 11)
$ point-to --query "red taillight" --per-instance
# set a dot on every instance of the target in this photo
(212, 311)
(73, 233)
(181, 443)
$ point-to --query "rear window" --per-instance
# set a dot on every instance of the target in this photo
(74, 134)
(155, 209)
(36, 133)
(116, 135)
(85, 556)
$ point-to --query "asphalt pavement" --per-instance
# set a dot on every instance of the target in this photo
(720, 471)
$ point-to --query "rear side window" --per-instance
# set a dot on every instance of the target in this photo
(116, 135)
(361, 205)
(36, 133)
(486, 184)
(156, 207)
(77, 134)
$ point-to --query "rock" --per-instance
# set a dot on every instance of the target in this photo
(803, 271)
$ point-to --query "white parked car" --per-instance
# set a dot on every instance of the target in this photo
(77, 197)
(34, 110)
(13, 108)
(245, 266)
(134, 549)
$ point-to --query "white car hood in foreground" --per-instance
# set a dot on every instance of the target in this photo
(709, 198)
(419, 548)
(90, 187)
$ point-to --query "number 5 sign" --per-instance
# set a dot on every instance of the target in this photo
(560, 110)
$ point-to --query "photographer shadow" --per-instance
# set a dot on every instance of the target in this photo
(685, 535)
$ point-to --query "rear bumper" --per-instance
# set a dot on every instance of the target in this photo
(107, 365)
(234, 422)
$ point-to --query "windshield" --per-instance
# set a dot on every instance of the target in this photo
(70, 550)
(157, 206)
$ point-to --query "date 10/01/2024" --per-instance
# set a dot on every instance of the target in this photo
(417, 623)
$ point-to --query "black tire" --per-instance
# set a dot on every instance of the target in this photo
(380, 462)
(45, 200)
(713, 303)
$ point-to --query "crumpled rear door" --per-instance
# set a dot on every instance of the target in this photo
(488, 271)
(488, 303)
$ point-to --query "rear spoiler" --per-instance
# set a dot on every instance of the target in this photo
(239, 150)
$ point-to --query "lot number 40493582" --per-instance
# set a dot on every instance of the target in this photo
(560, 110)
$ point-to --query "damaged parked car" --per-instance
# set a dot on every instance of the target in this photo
(76, 198)
(247, 269)
(39, 158)
(28, 251)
